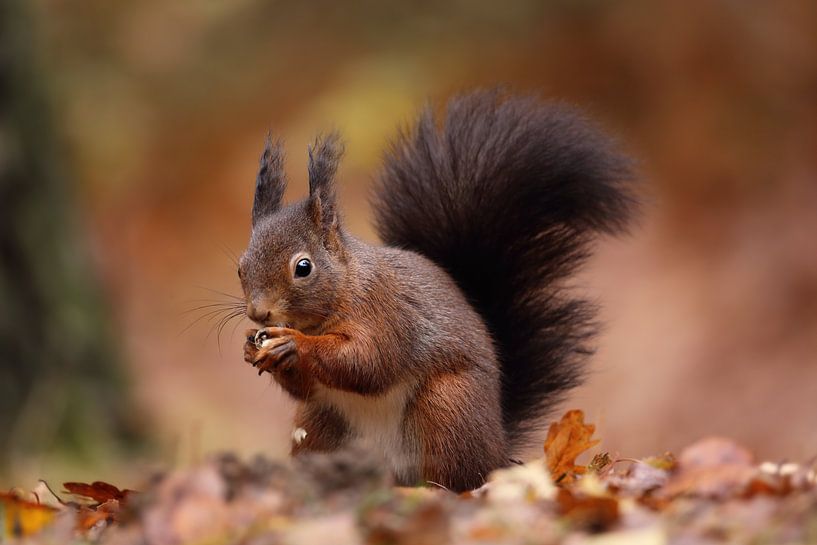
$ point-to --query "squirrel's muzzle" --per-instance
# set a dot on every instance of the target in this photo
(258, 313)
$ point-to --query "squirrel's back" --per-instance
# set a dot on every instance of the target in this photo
(507, 194)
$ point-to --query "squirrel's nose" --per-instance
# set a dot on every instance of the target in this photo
(257, 313)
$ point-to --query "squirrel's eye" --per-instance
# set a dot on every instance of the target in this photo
(303, 268)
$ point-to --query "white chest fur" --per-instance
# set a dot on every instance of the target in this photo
(377, 424)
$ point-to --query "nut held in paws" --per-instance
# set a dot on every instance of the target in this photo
(261, 338)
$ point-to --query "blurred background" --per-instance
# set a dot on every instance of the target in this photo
(129, 139)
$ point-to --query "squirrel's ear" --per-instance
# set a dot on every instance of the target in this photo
(324, 156)
(271, 181)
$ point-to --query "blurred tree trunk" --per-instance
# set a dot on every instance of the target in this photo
(61, 384)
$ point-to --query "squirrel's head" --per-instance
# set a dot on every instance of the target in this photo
(295, 262)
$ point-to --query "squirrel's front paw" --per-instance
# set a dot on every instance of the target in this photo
(272, 350)
(250, 347)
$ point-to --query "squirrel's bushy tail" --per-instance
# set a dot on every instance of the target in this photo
(507, 193)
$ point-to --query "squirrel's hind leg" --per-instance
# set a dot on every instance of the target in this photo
(457, 416)
(318, 429)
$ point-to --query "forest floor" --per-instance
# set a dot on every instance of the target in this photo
(712, 492)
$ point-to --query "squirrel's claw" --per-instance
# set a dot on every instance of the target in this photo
(270, 359)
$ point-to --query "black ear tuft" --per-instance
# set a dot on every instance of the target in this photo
(324, 156)
(271, 181)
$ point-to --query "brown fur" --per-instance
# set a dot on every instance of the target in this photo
(458, 452)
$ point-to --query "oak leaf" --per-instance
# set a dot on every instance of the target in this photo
(566, 440)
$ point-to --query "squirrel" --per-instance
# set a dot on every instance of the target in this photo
(442, 350)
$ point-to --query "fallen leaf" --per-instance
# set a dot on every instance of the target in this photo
(640, 478)
(566, 440)
(714, 451)
(405, 518)
(24, 518)
(600, 462)
(589, 513)
(98, 491)
(337, 529)
(591, 485)
(651, 535)
(88, 517)
(714, 468)
(666, 461)
(528, 482)
(187, 506)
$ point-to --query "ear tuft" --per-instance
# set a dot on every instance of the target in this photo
(324, 156)
(271, 181)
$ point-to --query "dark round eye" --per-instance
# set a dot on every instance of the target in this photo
(302, 268)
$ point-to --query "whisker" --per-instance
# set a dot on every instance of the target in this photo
(231, 255)
(220, 293)
(215, 325)
(210, 315)
(232, 333)
(227, 306)
(222, 326)
(218, 314)
(218, 326)
(210, 300)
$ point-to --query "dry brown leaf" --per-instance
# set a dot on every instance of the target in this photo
(591, 513)
(88, 517)
(666, 461)
(640, 479)
(566, 440)
(714, 451)
(714, 468)
(654, 501)
(600, 462)
(406, 518)
(108, 501)
(99, 491)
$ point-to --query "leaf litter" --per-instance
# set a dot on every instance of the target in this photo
(714, 491)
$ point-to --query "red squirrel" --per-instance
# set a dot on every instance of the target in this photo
(442, 350)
